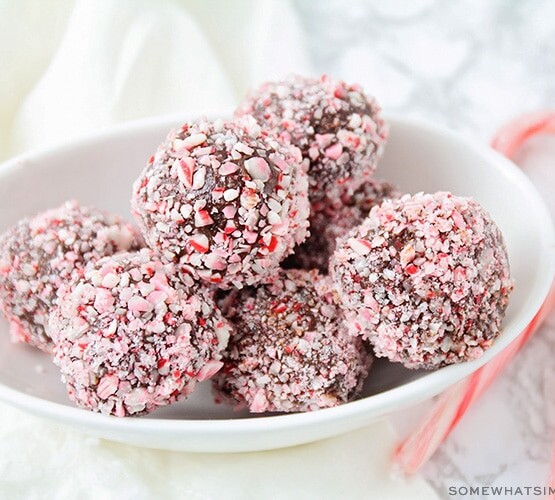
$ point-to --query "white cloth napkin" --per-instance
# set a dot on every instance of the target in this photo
(41, 460)
(69, 68)
(120, 60)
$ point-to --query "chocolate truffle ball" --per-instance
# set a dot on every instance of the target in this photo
(42, 254)
(426, 279)
(291, 351)
(338, 128)
(224, 200)
(332, 219)
(131, 337)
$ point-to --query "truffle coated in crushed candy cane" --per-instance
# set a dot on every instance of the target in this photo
(226, 202)
(337, 127)
(290, 350)
(425, 279)
(41, 255)
(144, 348)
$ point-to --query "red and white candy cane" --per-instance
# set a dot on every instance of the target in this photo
(454, 403)
(510, 137)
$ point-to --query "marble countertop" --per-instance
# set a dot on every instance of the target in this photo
(471, 66)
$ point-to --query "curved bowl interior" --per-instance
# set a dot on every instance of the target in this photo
(100, 170)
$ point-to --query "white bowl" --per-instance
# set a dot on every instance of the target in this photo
(100, 169)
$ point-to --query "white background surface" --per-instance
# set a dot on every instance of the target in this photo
(470, 65)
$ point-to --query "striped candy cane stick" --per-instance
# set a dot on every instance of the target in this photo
(510, 137)
(453, 404)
